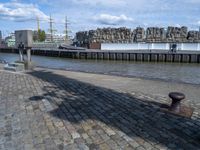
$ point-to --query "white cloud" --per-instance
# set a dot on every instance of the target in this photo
(112, 20)
(101, 2)
(20, 12)
(144, 12)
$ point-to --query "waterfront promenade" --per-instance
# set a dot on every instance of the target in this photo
(54, 109)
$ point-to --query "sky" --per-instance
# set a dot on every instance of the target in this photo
(91, 14)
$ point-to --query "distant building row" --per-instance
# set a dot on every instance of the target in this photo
(9, 41)
(125, 35)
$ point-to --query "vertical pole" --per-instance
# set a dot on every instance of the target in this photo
(66, 29)
(20, 55)
(51, 28)
(38, 27)
(28, 58)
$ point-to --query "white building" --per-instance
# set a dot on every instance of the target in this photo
(10, 40)
(58, 38)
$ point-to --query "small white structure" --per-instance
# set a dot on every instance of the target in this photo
(23, 41)
(25, 37)
(149, 46)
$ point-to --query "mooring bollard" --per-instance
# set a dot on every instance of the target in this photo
(176, 101)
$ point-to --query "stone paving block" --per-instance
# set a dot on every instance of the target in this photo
(75, 135)
(83, 146)
(76, 115)
(140, 148)
(104, 146)
(71, 147)
(112, 144)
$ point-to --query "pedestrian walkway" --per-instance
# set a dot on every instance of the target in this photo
(45, 110)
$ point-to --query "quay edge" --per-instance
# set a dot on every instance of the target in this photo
(142, 56)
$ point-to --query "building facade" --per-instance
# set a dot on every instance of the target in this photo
(10, 40)
(124, 35)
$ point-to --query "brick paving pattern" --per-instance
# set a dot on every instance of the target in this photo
(44, 110)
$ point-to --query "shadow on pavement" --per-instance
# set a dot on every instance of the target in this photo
(78, 101)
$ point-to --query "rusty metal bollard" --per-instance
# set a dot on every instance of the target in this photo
(176, 101)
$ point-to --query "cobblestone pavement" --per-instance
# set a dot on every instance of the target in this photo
(44, 110)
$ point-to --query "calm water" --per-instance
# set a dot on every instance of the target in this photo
(187, 73)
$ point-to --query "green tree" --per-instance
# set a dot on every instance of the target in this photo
(35, 36)
(41, 35)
